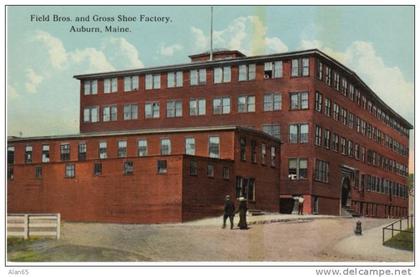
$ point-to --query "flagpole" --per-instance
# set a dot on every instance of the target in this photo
(211, 33)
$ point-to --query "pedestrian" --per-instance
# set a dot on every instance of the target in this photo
(301, 200)
(229, 212)
(242, 214)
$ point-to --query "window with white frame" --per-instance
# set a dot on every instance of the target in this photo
(152, 110)
(273, 69)
(328, 75)
(214, 147)
(272, 129)
(246, 72)
(190, 146)
(90, 114)
(45, 153)
(70, 171)
(298, 168)
(321, 171)
(174, 108)
(318, 135)
(198, 76)
(90, 87)
(28, 154)
(122, 148)
(65, 151)
(175, 79)
(300, 67)
(320, 71)
(222, 74)
(273, 156)
(197, 107)
(142, 147)
(152, 81)
(272, 102)
(221, 105)
(327, 135)
(110, 85)
(109, 113)
(336, 80)
(327, 108)
(299, 101)
(298, 133)
(103, 150)
(318, 101)
(263, 153)
(130, 111)
(246, 104)
(131, 83)
(82, 151)
(165, 146)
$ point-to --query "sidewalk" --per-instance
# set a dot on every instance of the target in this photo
(368, 247)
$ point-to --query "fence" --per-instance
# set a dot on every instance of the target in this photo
(403, 223)
(33, 225)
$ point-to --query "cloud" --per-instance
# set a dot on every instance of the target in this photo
(33, 80)
(121, 53)
(54, 46)
(89, 60)
(247, 34)
(12, 92)
(169, 51)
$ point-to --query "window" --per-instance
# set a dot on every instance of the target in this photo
(245, 187)
(336, 114)
(328, 75)
(128, 168)
(198, 77)
(65, 152)
(70, 171)
(246, 72)
(102, 150)
(165, 146)
(344, 86)
(321, 171)
(246, 104)
(193, 168)
(344, 116)
(272, 130)
(350, 148)
(320, 72)
(263, 153)
(327, 136)
(226, 173)
(298, 133)
(90, 114)
(335, 143)
(242, 145)
(221, 105)
(131, 83)
(272, 102)
(190, 146)
(122, 148)
(110, 85)
(336, 80)
(298, 168)
(300, 67)
(351, 92)
(343, 146)
(162, 166)
(11, 155)
(142, 147)
(38, 171)
(152, 110)
(362, 153)
(175, 79)
(253, 151)
(197, 107)
(210, 170)
(299, 101)
(174, 108)
(130, 111)
(318, 135)
(327, 110)
(109, 113)
(97, 169)
(221, 74)
(350, 120)
(273, 156)
(82, 151)
(356, 151)
(273, 70)
(214, 144)
(318, 102)
(90, 87)
(45, 153)
(10, 174)
(152, 81)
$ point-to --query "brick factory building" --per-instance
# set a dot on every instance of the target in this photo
(343, 149)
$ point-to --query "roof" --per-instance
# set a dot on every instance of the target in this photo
(218, 51)
(259, 58)
(144, 132)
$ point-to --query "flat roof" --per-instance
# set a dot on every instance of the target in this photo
(144, 132)
(259, 58)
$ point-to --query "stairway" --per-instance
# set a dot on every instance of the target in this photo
(348, 211)
(254, 212)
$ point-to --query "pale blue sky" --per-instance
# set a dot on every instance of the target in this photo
(376, 42)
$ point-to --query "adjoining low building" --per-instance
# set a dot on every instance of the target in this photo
(147, 176)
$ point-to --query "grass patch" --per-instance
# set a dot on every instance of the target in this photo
(402, 240)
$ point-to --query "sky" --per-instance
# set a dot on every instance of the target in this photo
(42, 56)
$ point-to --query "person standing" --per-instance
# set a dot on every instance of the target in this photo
(301, 200)
(242, 214)
(229, 212)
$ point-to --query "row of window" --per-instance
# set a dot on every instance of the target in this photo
(354, 122)
(253, 154)
(334, 79)
(382, 185)
(328, 140)
(223, 74)
(298, 169)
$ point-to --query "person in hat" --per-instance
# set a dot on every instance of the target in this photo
(242, 214)
(229, 211)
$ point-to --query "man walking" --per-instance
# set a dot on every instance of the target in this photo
(229, 211)
(301, 200)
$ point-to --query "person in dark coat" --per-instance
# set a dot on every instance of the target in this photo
(242, 214)
(229, 212)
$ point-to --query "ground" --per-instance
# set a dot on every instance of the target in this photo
(302, 238)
